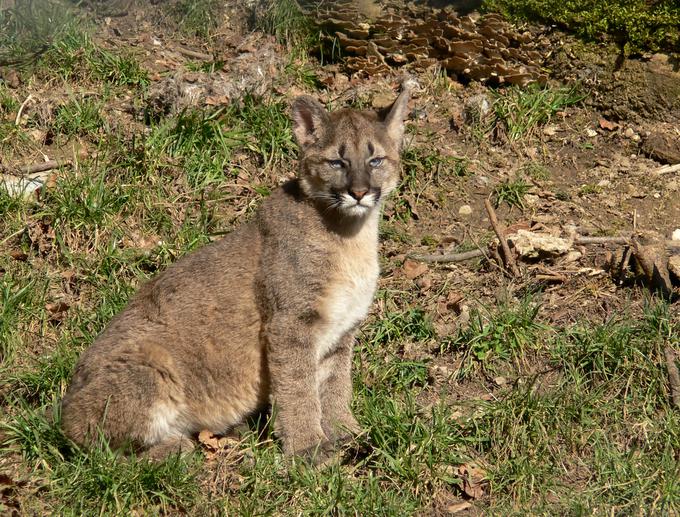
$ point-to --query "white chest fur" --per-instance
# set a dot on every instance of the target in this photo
(349, 294)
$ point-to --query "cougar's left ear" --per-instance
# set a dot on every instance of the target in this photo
(309, 120)
(394, 119)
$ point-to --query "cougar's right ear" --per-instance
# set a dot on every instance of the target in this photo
(309, 120)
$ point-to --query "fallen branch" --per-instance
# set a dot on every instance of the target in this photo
(35, 167)
(21, 109)
(507, 254)
(450, 257)
(667, 169)
(601, 240)
(673, 375)
(194, 53)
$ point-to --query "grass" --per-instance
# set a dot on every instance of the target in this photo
(562, 418)
(511, 192)
(196, 17)
(519, 111)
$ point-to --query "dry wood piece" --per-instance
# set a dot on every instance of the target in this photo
(195, 54)
(508, 258)
(667, 169)
(653, 261)
(673, 375)
(601, 240)
(450, 257)
(35, 167)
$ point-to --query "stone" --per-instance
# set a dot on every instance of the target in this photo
(465, 210)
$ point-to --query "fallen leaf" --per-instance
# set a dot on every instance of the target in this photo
(208, 439)
(18, 255)
(608, 125)
(457, 508)
(413, 269)
(57, 307)
(473, 477)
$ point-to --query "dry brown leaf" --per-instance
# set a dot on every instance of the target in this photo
(18, 255)
(413, 269)
(208, 439)
(608, 125)
(457, 508)
(473, 477)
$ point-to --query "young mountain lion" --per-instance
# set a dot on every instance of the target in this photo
(267, 314)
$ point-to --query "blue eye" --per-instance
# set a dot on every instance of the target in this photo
(375, 162)
(336, 164)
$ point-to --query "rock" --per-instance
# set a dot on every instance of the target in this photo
(676, 235)
(590, 133)
(534, 244)
(662, 147)
(674, 267)
(465, 210)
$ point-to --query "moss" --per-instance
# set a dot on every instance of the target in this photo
(636, 25)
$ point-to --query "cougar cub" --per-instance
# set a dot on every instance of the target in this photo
(267, 314)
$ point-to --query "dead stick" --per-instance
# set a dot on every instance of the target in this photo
(42, 166)
(450, 257)
(668, 169)
(673, 375)
(601, 240)
(194, 53)
(507, 255)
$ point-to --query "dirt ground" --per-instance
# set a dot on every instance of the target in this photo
(596, 168)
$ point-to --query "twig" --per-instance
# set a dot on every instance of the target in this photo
(673, 375)
(601, 240)
(507, 255)
(35, 167)
(194, 53)
(666, 169)
(21, 109)
(43, 166)
(9, 237)
(449, 257)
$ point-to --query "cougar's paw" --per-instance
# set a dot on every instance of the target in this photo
(320, 455)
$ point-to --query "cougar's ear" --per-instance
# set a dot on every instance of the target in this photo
(309, 120)
(394, 119)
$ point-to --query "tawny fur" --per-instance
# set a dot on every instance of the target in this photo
(267, 314)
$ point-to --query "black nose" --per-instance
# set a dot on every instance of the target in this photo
(358, 194)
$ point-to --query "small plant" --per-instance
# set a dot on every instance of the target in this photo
(285, 20)
(82, 117)
(537, 171)
(505, 334)
(196, 17)
(518, 111)
(510, 192)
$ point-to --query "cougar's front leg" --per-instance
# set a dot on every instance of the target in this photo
(292, 362)
(335, 390)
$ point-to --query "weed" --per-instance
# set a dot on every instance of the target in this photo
(519, 110)
(536, 171)
(502, 335)
(19, 303)
(589, 189)
(76, 57)
(196, 17)
(511, 192)
(81, 117)
(285, 20)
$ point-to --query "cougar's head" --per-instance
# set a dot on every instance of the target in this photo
(349, 159)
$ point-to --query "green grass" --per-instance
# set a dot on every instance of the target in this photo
(510, 192)
(564, 419)
(636, 25)
(519, 111)
(196, 17)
